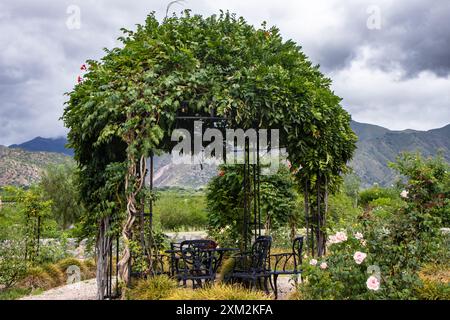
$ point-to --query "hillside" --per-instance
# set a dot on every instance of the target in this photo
(20, 167)
(57, 145)
(377, 146)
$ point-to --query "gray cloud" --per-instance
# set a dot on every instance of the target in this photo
(403, 67)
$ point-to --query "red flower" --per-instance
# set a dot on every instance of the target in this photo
(221, 173)
(83, 67)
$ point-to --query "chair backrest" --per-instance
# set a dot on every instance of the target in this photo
(297, 251)
(261, 253)
(196, 259)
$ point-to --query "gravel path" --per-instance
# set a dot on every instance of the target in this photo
(87, 290)
(285, 287)
(84, 290)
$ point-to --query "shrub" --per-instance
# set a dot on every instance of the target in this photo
(226, 268)
(36, 277)
(65, 263)
(372, 194)
(13, 265)
(155, 288)
(90, 265)
(55, 274)
(225, 204)
(52, 252)
(343, 273)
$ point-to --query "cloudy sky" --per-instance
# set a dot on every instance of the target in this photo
(389, 60)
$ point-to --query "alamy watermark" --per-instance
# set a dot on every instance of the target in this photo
(229, 149)
(73, 21)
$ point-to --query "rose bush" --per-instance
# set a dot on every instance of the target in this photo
(344, 273)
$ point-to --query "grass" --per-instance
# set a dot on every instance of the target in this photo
(218, 291)
(435, 282)
(181, 210)
(152, 289)
(164, 288)
(14, 293)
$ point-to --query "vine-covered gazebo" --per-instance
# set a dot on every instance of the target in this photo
(166, 75)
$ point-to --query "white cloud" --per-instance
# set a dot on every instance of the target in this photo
(40, 57)
(391, 100)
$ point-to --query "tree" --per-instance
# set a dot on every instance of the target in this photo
(352, 184)
(225, 204)
(59, 185)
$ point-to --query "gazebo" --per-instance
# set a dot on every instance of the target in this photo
(169, 74)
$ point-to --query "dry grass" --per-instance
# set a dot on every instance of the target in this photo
(218, 292)
(436, 273)
(155, 288)
(436, 282)
(54, 273)
(35, 278)
(164, 288)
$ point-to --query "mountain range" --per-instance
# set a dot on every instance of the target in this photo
(22, 164)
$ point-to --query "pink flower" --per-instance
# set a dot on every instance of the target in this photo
(80, 79)
(83, 67)
(341, 236)
(359, 235)
(337, 238)
(323, 265)
(313, 262)
(332, 239)
(373, 283)
(359, 257)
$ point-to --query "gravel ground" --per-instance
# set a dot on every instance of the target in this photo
(285, 287)
(84, 290)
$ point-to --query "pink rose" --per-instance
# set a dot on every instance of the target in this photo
(313, 262)
(359, 257)
(359, 235)
(341, 236)
(373, 283)
(323, 265)
(332, 239)
(338, 237)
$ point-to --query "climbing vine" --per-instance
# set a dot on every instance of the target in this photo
(126, 105)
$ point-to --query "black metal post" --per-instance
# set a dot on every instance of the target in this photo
(245, 226)
(117, 265)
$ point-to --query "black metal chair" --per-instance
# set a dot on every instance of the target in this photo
(288, 263)
(196, 262)
(254, 266)
(174, 258)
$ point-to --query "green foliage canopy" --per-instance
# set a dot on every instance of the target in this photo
(127, 103)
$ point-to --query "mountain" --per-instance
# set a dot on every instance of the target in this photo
(57, 145)
(23, 168)
(377, 146)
